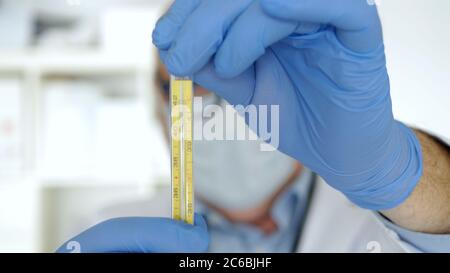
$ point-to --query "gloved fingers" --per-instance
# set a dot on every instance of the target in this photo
(247, 40)
(168, 26)
(357, 23)
(238, 90)
(201, 35)
(141, 235)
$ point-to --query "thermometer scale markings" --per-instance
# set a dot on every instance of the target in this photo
(181, 149)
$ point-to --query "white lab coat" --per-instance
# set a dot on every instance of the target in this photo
(334, 224)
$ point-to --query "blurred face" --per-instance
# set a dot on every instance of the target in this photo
(209, 175)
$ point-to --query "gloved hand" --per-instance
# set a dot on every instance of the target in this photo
(140, 235)
(323, 63)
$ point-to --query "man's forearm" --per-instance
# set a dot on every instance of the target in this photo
(428, 207)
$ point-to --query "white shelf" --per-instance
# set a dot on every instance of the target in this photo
(87, 183)
(71, 62)
(34, 67)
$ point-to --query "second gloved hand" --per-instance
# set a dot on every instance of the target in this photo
(323, 63)
(140, 235)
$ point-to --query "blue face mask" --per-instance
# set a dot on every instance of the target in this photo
(236, 174)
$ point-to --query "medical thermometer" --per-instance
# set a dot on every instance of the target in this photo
(181, 96)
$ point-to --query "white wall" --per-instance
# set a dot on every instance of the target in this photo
(417, 38)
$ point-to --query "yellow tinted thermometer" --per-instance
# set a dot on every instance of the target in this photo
(181, 96)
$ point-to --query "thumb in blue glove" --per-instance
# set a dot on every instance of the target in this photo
(140, 235)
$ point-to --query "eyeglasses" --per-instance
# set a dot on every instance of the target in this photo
(165, 85)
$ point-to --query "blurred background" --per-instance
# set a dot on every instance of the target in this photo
(78, 130)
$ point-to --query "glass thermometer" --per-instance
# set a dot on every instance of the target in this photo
(181, 97)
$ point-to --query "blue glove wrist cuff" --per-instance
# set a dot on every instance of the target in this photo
(396, 184)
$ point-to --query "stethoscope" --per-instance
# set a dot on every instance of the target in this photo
(304, 217)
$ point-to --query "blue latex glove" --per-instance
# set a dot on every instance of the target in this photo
(323, 63)
(140, 235)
